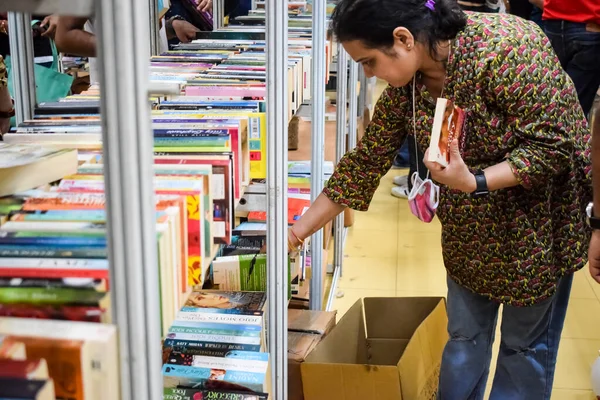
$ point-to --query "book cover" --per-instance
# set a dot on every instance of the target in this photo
(198, 394)
(226, 302)
(448, 125)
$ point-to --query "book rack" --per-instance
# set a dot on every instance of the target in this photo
(122, 28)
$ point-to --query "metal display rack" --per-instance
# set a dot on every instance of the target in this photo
(123, 53)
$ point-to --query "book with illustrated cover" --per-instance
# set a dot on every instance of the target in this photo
(24, 167)
(199, 394)
(182, 352)
(239, 371)
(448, 125)
(226, 302)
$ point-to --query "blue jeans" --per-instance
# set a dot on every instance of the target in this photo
(579, 53)
(528, 347)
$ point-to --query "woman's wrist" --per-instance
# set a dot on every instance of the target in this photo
(294, 242)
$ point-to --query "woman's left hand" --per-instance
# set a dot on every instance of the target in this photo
(456, 175)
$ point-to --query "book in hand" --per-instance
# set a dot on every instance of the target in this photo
(447, 126)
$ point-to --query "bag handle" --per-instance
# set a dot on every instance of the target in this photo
(54, 66)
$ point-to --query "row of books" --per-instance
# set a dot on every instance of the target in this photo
(209, 154)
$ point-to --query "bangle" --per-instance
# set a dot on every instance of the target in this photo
(296, 237)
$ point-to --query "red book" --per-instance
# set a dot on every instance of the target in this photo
(25, 369)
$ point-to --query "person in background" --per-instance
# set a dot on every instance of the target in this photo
(75, 36)
(594, 250)
(573, 27)
(512, 200)
(42, 34)
(6, 105)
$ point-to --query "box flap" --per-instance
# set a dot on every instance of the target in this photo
(397, 317)
(420, 363)
(350, 382)
(301, 344)
(319, 322)
(341, 345)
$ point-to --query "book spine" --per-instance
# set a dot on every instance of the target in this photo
(214, 338)
(227, 330)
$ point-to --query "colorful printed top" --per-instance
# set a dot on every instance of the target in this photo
(3, 73)
(513, 245)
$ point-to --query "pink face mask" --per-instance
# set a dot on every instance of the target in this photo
(423, 198)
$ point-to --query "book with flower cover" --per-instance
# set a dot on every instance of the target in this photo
(448, 125)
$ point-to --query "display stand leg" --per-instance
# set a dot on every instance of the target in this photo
(341, 119)
(317, 146)
(130, 201)
(353, 105)
(22, 61)
(277, 191)
(154, 35)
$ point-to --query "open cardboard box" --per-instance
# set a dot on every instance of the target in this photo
(381, 349)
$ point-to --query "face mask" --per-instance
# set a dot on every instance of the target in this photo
(423, 198)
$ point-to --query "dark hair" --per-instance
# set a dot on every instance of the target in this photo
(373, 21)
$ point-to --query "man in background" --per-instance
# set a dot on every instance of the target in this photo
(573, 27)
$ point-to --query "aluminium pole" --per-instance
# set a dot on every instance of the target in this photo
(341, 119)
(130, 201)
(353, 105)
(277, 190)
(154, 31)
(21, 48)
(317, 145)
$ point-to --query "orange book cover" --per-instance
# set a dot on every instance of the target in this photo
(64, 363)
(447, 126)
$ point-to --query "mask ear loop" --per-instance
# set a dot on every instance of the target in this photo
(414, 96)
(414, 107)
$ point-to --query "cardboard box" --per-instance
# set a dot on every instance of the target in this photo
(306, 329)
(382, 348)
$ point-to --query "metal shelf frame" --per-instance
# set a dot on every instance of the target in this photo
(123, 32)
(277, 191)
(319, 67)
(342, 126)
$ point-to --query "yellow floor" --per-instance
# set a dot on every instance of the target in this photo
(390, 253)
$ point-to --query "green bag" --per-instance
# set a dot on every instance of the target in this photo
(50, 84)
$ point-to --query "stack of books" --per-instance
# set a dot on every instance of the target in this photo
(217, 344)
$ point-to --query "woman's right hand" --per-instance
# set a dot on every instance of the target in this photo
(185, 31)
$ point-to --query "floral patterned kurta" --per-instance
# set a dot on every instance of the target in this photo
(513, 245)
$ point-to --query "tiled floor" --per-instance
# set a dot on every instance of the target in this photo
(390, 253)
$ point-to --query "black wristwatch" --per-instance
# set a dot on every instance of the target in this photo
(593, 222)
(169, 23)
(482, 187)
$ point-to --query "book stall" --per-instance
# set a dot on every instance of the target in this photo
(143, 253)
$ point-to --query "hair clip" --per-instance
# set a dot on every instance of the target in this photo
(430, 4)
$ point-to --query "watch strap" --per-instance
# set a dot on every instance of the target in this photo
(481, 182)
(593, 221)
